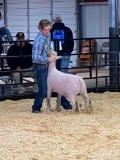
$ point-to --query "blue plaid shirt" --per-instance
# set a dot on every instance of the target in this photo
(41, 45)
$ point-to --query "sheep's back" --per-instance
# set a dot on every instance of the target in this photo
(64, 83)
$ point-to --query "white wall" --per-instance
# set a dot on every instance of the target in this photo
(96, 22)
(24, 15)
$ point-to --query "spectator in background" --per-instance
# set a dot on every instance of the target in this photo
(4, 30)
(23, 49)
(60, 31)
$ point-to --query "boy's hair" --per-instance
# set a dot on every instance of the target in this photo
(44, 23)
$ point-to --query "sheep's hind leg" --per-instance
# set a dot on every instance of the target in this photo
(88, 105)
(74, 103)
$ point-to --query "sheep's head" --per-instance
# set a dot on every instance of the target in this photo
(54, 54)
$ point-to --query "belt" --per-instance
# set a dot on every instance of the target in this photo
(36, 64)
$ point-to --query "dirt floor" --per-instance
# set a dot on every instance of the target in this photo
(61, 135)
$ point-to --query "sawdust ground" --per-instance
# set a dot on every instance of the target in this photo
(61, 135)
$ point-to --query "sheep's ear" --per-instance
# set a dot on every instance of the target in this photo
(58, 57)
(54, 53)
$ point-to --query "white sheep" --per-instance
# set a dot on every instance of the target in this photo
(66, 84)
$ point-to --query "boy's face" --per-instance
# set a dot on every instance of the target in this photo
(46, 30)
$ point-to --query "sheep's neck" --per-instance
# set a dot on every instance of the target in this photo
(52, 66)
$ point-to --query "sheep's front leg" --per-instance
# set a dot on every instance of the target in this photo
(58, 102)
(77, 107)
(48, 104)
(49, 108)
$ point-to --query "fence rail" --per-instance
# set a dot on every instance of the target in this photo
(101, 74)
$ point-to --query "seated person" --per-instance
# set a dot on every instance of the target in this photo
(4, 30)
(22, 48)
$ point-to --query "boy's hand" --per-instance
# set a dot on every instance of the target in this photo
(51, 59)
(49, 54)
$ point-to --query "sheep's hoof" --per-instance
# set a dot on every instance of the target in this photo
(77, 111)
(50, 110)
(80, 105)
(58, 109)
(91, 109)
(88, 110)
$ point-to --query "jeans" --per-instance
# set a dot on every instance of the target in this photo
(1, 38)
(64, 102)
(41, 76)
(6, 32)
(65, 60)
